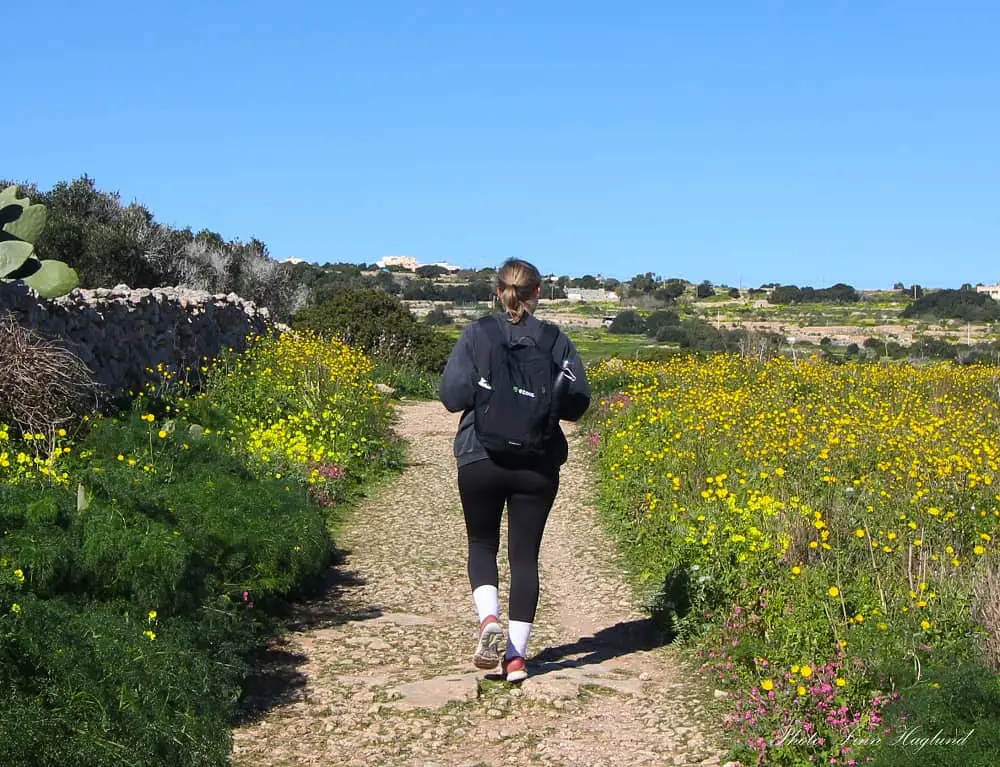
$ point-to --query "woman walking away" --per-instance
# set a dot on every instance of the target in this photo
(513, 378)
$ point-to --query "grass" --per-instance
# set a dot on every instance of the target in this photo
(594, 344)
(407, 381)
(718, 298)
(821, 314)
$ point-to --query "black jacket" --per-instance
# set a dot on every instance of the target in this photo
(458, 385)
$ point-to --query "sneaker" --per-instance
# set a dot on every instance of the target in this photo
(487, 654)
(515, 669)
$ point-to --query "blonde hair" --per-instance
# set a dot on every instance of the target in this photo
(518, 282)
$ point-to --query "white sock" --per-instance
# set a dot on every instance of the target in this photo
(487, 600)
(517, 638)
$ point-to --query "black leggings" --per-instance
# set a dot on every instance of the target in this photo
(529, 493)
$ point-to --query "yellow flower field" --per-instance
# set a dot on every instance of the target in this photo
(34, 455)
(295, 403)
(304, 404)
(869, 494)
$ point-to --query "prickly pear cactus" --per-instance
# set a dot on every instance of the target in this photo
(21, 223)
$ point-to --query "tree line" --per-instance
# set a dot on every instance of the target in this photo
(109, 242)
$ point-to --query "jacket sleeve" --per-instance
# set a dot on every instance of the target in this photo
(577, 398)
(458, 383)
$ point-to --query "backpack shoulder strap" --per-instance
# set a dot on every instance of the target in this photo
(494, 337)
(547, 340)
(491, 325)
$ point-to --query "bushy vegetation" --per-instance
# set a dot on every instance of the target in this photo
(694, 334)
(478, 289)
(704, 289)
(108, 242)
(142, 562)
(660, 319)
(968, 305)
(823, 534)
(380, 325)
(792, 294)
(438, 316)
(627, 321)
(647, 287)
(948, 717)
(933, 348)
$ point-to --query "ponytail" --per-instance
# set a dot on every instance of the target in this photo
(518, 282)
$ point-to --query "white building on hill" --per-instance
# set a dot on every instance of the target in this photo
(583, 294)
(410, 263)
(406, 262)
(993, 291)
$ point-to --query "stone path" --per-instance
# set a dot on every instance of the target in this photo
(378, 671)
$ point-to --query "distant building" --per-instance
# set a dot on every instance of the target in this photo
(993, 291)
(410, 263)
(406, 262)
(583, 294)
(294, 260)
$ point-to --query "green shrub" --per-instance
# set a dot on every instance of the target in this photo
(703, 336)
(84, 685)
(660, 319)
(380, 325)
(438, 316)
(211, 528)
(792, 294)
(672, 334)
(626, 322)
(125, 624)
(968, 305)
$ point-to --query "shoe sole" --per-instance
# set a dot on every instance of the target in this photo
(487, 653)
(518, 675)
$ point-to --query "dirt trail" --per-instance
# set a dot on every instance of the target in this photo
(378, 671)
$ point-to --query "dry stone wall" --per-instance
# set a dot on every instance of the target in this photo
(121, 333)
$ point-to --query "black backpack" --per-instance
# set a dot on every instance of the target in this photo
(514, 404)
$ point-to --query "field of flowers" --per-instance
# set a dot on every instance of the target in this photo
(144, 560)
(302, 406)
(826, 536)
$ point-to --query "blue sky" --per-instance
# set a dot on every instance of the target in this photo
(740, 142)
